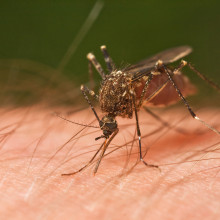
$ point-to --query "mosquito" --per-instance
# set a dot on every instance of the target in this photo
(123, 92)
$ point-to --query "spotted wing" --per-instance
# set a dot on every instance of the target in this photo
(167, 56)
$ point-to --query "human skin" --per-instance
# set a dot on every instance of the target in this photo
(34, 155)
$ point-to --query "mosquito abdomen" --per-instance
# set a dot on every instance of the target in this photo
(161, 92)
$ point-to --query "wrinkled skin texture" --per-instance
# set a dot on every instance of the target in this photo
(32, 186)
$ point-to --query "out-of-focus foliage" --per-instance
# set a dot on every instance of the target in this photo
(40, 32)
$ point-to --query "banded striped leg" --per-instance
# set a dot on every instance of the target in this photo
(90, 92)
(84, 90)
(181, 65)
(203, 77)
(96, 64)
(91, 78)
(186, 103)
(110, 64)
(104, 145)
(144, 91)
(139, 136)
(184, 63)
(158, 65)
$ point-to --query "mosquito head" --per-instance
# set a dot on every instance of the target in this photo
(108, 124)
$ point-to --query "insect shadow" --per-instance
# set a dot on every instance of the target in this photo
(149, 82)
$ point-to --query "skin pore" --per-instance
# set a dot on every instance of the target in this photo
(37, 147)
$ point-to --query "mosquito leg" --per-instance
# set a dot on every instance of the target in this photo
(203, 77)
(89, 163)
(91, 93)
(200, 75)
(110, 64)
(96, 64)
(156, 92)
(106, 144)
(144, 91)
(91, 78)
(139, 136)
(83, 89)
(182, 64)
(186, 103)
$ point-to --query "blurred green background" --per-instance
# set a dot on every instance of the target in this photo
(42, 31)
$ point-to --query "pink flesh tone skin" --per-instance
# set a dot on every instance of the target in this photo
(32, 186)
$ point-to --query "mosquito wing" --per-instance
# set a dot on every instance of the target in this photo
(167, 56)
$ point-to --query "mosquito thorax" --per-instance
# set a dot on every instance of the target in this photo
(115, 95)
(108, 124)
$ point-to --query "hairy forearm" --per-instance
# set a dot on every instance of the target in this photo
(37, 147)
